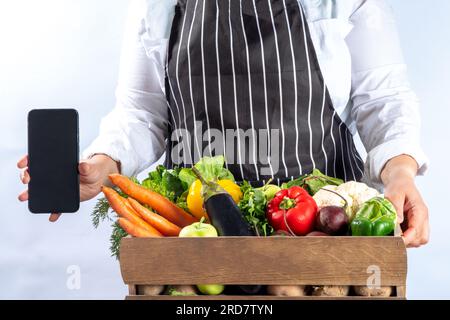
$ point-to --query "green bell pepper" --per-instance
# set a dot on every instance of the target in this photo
(377, 217)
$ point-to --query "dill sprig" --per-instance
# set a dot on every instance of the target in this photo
(100, 212)
(116, 236)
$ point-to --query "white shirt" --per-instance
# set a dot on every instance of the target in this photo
(361, 60)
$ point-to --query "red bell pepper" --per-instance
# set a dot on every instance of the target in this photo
(294, 206)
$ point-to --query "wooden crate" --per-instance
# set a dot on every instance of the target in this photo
(266, 261)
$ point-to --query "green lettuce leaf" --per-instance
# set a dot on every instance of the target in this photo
(166, 182)
(187, 176)
(212, 168)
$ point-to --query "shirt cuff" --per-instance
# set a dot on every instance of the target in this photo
(379, 156)
(115, 151)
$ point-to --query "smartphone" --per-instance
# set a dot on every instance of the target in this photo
(53, 156)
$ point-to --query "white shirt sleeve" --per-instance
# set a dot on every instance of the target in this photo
(384, 107)
(134, 132)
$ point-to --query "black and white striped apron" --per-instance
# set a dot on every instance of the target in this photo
(251, 65)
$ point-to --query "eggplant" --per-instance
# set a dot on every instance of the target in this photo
(228, 220)
(223, 212)
(226, 217)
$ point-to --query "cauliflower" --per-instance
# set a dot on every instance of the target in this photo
(326, 198)
(356, 193)
(359, 192)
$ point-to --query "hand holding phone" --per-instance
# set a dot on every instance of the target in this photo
(53, 160)
(92, 173)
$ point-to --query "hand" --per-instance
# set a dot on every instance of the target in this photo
(93, 174)
(400, 188)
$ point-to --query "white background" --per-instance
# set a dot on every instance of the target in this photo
(57, 53)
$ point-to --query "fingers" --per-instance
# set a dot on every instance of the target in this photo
(25, 176)
(412, 212)
(426, 232)
(89, 173)
(398, 200)
(418, 232)
(409, 237)
(84, 168)
(23, 162)
(54, 217)
(23, 196)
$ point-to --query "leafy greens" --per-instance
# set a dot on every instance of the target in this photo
(313, 182)
(253, 207)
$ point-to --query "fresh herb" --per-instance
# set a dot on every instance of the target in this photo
(101, 212)
(182, 201)
(116, 236)
(313, 182)
(102, 208)
(253, 206)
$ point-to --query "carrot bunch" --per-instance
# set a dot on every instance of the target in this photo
(136, 219)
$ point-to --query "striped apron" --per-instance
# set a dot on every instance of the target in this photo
(243, 80)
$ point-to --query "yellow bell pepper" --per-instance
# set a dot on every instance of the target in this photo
(232, 188)
(195, 200)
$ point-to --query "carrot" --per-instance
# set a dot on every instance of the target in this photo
(134, 230)
(124, 210)
(128, 205)
(160, 204)
(161, 224)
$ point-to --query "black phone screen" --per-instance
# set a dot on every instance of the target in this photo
(53, 161)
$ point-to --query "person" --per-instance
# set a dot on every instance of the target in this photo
(278, 87)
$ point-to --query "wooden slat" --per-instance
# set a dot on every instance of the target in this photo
(132, 289)
(223, 297)
(272, 260)
(401, 291)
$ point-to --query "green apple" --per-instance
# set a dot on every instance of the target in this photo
(198, 229)
(211, 289)
(201, 229)
(270, 190)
